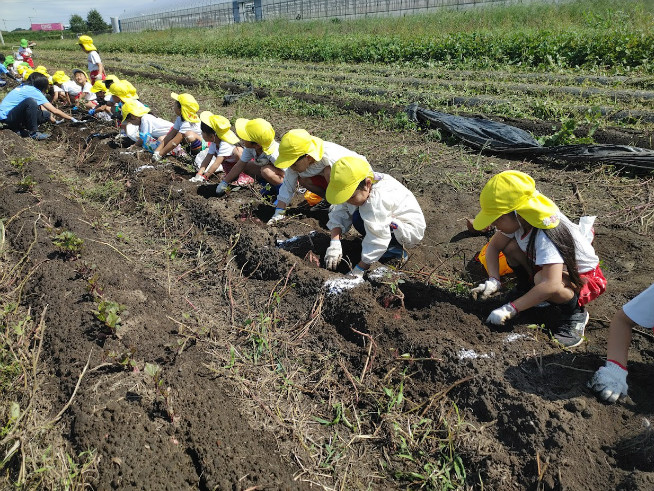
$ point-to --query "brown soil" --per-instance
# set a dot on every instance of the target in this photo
(191, 270)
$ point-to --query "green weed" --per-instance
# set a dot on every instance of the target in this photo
(108, 312)
(69, 244)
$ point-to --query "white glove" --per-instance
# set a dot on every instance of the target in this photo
(59, 121)
(334, 254)
(222, 188)
(156, 156)
(501, 315)
(609, 382)
(357, 271)
(486, 289)
(280, 213)
(75, 120)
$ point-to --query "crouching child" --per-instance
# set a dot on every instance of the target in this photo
(380, 208)
(610, 381)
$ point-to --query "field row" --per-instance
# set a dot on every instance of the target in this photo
(587, 98)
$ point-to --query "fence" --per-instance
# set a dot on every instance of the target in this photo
(213, 14)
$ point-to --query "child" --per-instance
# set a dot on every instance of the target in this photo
(224, 149)
(534, 235)
(186, 127)
(5, 71)
(307, 160)
(385, 212)
(24, 53)
(65, 90)
(149, 127)
(106, 107)
(86, 99)
(96, 68)
(25, 107)
(259, 155)
(610, 381)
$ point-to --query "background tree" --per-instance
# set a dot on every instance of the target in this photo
(78, 24)
(95, 21)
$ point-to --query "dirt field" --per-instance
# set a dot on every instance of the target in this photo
(234, 367)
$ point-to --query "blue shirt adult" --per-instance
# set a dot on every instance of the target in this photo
(18, 95)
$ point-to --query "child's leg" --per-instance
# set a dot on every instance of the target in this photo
(194, 141)
(269, 172)
(316, 184)
(172, 143)
(619, 338)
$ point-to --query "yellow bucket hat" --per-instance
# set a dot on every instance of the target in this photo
(295, 144)
(189, 105)
(87, 43)
(99, 86)
(346, 175)
(42, 70)
(221, 125)
(513, 190)
(135, 108)
(21, 69)
(27, 73)
(124, 90)
(59, 77)
(257, 130)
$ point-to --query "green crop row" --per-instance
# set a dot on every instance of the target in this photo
(602, 37)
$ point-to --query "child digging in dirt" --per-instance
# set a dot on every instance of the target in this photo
(224, 149)
(307, 160)
(258, 157)
(535, 236)
(185, 129)
(66, 90)
(610, 381)
(25, 107)
(380, 208)
(150, 128)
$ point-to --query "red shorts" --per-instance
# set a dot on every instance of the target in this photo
(94, 76)
(594, 286)
(319, 181)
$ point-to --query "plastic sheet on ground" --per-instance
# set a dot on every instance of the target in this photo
(500, 138)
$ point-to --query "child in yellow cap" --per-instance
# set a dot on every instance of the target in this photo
(224, 148)
(534, 235)
(610, 381)
(95, 66)
(186, 127)
(258, 157)
(308, 160)
(105, 108)
(65, 89)
(151, 129)
(379, 207)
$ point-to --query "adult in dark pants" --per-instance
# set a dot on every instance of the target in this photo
(25, 108)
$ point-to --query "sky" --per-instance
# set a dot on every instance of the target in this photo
(21, 13)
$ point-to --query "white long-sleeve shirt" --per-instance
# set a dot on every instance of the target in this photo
(331, 152)
(389, 204)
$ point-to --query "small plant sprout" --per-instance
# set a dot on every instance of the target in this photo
(26, 184)
(163, 393)
(108, 313)
(68, 244)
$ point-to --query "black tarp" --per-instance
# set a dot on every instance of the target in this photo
(504, 139)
